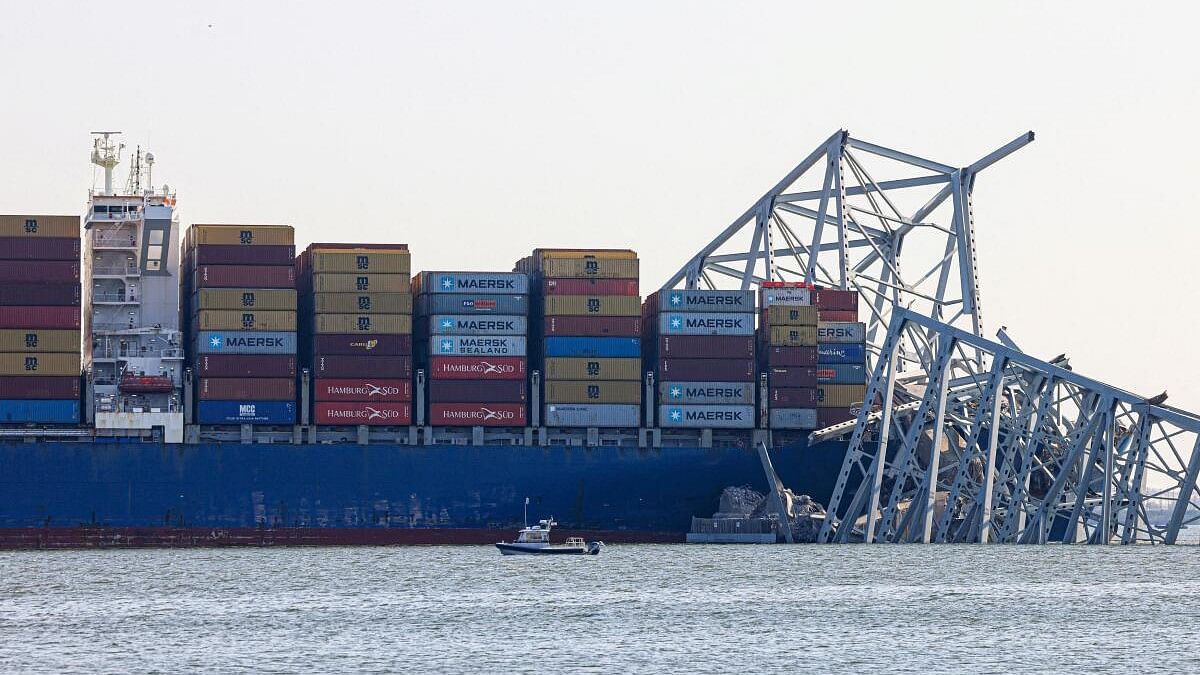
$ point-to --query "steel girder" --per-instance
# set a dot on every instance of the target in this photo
(1003, 447)
(829, 221)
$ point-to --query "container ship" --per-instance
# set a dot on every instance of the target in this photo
(215, 386)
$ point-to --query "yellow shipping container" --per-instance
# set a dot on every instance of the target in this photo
(380, 262)
(39, 226)
(791, 315)
(388, 324)
(351, 283)
(39, 340)
(590, 267)
(248, 235)
(230, 319)
(793, 336)
(34, 363)
(573, 391)
(362, 303)
(593, 369)
(246, 298)
(840, 395)
(567, 253)
(593, 305)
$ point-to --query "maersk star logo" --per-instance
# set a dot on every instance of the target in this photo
(448, 283)
(446, 345)
(675, 414)
(215, 342)
(675, 392)
(676, 323)
(676, 299)
(447, 324)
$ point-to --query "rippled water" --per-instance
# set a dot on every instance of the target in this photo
(632, 609)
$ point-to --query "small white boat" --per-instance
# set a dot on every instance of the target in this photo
(536, 541)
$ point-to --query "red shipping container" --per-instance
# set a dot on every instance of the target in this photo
(32, 293)
(246, 365)
(792, 377)
(706, 370)
(39, 248)
(791, 356)
(590, 286)
(593, 326)
(793, 397)
(706, 346)
(346, 366)
(467, 391)
(236, 254)
(827, 417)
(39, 317)
(837, 315)
(353, 413)
(477, 414)
(47, 271)
(832, 298)
(244, 276)
(39, 387)
(364, 389)
(246, 389)
(362, 343)
(477, 368)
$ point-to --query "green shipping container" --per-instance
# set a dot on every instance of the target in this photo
(575, 391)
(593, 305)
(387, 324)
(840, 395)
(282, 299)
(791, 315)
(354, 283)
(593, 369)
(793, 336)
(362, 303)
(229, 319)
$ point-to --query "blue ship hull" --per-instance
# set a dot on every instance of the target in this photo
(423, 494)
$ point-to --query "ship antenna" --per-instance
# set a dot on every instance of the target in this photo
(527, 512)
(106, 155)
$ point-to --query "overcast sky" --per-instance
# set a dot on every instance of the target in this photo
(476, 131)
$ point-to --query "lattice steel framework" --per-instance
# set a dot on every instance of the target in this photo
(843, 217)
(1004, 447)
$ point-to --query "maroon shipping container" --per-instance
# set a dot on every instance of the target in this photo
(791, 356)
(39, 387)
(467, 391)
(246, 365)
(477, 414)
(477, 368)
(353, 413)
(793, 397)
(244, 276)
(236, 254)
(39, 317)
(346, 366)
(32, 293)
(706, 346)
(362, 389)
(837, 315)
(792, 377)
(47, 271)
(362, 343)
(39, 248)
(706, 370)
(593, 326)
(832, 298)
(590, 286)
(246, 389)
(827, 417)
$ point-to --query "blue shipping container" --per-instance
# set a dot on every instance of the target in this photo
(793, 418)
(245, 342)
(474, 282)
(452, 303)
(445, 324)
(706, 416)
(477, 345)
(246, 412)
(595, 347)
(698, 323)
(592, 415)
(706, 301)
(52, 411)
(835, 354)
(709, 393)
(841, 374)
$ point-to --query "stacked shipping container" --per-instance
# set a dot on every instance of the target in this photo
(238, 307)
(356, 332)
(39, 320)
(700, 344)
(841, 355)
(586, 303)
(788, 335)
(472, 340)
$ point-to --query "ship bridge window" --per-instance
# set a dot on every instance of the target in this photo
(156, 238)
(98, 208)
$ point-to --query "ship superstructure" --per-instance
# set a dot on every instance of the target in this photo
(132, 344)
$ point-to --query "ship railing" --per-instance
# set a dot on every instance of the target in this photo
(115, 242)
(116, 270)
(172, 353)
(113, 327)
(113, 297)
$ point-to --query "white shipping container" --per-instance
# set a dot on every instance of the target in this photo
(841, 332)
(793, 418)
(592, 415)
(695, 323)
(786, 296)
(706, 416)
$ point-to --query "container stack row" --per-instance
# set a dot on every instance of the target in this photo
(587, 305)
(238, 310)
(701, 347)
(788, 338)
(841, 355)
(39, 320)
(472, 340)
(356, 332)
